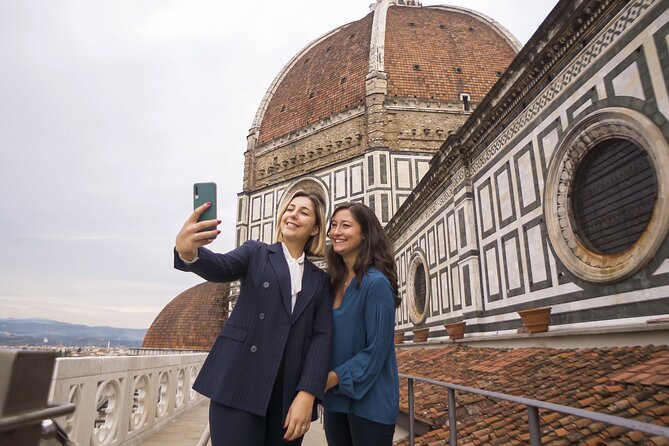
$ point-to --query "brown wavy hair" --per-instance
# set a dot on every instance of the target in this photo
(375, 250)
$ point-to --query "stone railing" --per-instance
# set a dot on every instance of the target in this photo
(123, 399)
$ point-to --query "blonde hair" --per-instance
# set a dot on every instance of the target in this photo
(315, 246)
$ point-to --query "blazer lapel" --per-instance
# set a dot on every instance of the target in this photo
(278, 262)
(309, 279)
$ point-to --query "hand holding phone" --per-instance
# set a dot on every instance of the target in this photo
(205, 193)
(194, 235)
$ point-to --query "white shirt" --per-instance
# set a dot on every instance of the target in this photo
(296, 268)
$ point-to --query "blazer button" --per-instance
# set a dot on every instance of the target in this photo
(261, 316)
(253, 349)
(265, 285)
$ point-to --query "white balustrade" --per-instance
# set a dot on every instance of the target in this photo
(123, 399)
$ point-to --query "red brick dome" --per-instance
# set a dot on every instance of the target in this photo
(432, 52)
(192, 320)
(440, 52)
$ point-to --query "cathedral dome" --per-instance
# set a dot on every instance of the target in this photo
(192, 320)
(434, 53)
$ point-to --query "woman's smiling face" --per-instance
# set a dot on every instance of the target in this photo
(345, 233)
(298, 222)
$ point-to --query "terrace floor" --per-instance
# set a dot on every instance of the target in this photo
(187, 429)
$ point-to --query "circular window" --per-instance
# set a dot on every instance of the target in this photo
(603, 195)
(419, 286)
(417, 289)
(613, 196)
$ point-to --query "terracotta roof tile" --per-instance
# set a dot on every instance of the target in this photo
(596, 441)
(423, 48)
(585, 378)
(328, 78)
(427, 46)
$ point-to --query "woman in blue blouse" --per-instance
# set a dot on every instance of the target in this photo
(362, 398)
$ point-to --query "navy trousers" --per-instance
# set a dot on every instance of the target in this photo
(234, 427)
(345, 429)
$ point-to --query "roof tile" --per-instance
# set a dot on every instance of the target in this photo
(585, 378)
(659, 441)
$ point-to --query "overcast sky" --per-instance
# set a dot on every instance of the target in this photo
(111, 110)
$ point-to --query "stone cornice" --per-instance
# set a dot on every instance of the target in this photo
(565, 31)
(295, 165)
(443, 191)
(592, 45)
(309, 130)
(414, 104)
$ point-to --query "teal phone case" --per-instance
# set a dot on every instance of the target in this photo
(203, 193)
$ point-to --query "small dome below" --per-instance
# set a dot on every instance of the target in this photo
(192, 320)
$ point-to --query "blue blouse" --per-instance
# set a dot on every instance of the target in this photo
(363, 352)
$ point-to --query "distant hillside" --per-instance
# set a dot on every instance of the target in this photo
(47, 332)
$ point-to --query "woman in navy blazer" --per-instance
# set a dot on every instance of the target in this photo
(269, 364)
(362, 401)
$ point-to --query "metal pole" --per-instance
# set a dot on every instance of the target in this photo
(412, 441)
(15, 421)
(452, 418)
(533, 421)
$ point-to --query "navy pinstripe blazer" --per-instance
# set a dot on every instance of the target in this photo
(261, 331)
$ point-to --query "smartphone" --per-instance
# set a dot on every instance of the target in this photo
(203, 193)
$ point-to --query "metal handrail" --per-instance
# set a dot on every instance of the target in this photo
(14, 421)
(533, 407)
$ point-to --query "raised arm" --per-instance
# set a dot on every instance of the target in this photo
(191, 255)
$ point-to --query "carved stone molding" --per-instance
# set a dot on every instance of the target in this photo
(568, 76)
(401, 234)
(311, 129)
